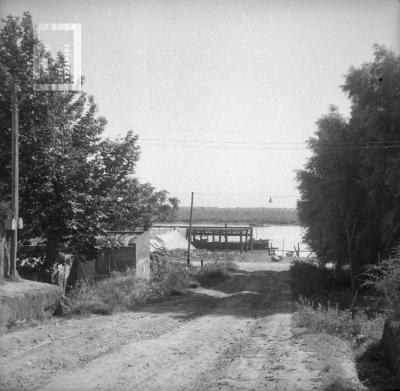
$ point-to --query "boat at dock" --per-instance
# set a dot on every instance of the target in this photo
(261, 244)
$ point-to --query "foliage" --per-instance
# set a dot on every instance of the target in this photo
(385, 278)
(74, 185)
(214, 272)
(121, 291)
(168, 274)
(136, 204)
(349, 188)
(354, 326)
(313, 281)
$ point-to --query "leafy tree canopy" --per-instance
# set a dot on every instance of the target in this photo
(350, 192)
(74, 185)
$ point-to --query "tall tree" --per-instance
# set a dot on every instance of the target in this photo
(350, 186)
(73, 184)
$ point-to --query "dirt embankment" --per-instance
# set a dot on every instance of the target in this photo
(236, 336)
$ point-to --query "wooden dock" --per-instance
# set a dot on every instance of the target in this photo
(214, 237)
(220, 237)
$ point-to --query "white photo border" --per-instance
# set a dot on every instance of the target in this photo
(76, 84)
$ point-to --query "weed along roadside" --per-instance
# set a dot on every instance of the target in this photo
(123, 291)
(330, 312)
(235, 320)
(214, 334)
(229, 325)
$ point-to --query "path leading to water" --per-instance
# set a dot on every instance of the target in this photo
(235, 336)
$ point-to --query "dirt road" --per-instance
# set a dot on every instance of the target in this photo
(235, 336)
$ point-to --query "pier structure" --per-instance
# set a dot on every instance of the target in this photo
(220, 237)
(214, 237)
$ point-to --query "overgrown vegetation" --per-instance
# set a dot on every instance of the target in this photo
(123, 291)
(351, 324)
(316, 282)
(74, 185)
(385, 278)
(120, 292)
(349, 188)
(326, 304)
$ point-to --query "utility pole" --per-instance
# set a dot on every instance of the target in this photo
(190, 230)
(15, 182)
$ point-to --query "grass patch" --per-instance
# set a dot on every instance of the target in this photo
(318, 282)
(123, 291)
(214, 272)
(352, 325)
(325, 305)
(26, 301)
(119, 292)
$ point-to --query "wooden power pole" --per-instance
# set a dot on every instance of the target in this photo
(15, 182)
(190, 230)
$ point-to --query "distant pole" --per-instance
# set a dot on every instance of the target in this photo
(190, 230)
(14, 184)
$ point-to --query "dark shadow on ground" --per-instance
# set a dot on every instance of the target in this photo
(372, 371)
(243, 294)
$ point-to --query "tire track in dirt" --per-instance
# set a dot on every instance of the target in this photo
(242, 343)
(30, 357)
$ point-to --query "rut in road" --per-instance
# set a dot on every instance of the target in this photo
(241, 340)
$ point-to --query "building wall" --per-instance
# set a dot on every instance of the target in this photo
(89, 268)
(118, 259)
(142, 243)
(136, 255)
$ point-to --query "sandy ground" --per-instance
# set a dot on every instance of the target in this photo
(236, 336)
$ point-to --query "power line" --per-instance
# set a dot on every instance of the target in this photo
(337, 144)
(220, 141)
(273, 148)
(186, 129)
(264, 195)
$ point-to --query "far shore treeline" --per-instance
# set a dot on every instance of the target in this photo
(238, 215)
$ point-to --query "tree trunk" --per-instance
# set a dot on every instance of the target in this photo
(52, 249)
(353, 262)
(5, 244)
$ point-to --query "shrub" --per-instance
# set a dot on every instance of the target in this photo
(310, 280)
(306, 279)
(124, 291)
(214, 272)
(385, 278)
(168, 275)
(120, 291)
(344, 323)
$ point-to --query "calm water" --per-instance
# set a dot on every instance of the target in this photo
(285, 236)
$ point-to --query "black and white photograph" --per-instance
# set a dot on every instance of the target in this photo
(199, 195)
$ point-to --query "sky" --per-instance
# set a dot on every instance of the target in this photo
(223, 94)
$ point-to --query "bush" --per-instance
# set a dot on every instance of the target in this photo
(124, 291)
(214, 272)
(344, 323)
(168, 275)
(121, 291)
(313, 281)
(385, 278)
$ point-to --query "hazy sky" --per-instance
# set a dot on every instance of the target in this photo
(223, 94)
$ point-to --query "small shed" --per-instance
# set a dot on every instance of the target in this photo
(134, 254)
